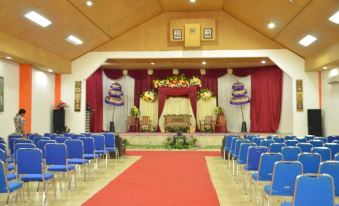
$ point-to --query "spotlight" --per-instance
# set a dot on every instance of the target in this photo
(89, 3)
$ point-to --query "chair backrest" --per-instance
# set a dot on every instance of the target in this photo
(99, 142)
(336, 157)
(310, 162)
(266, 165)
(22, 145)
(253, 157)
(32, 136)
(2, 155)
(60, 139)
(323, 139)
(56, 154)
(266, 142)
(229, 141)
(334, 147)
(271, 137)
(257, 141)
(67, 134)
(292, 142)
(325, 152)
(301, 139)
(86, 134)
(76, 136)
(290, 153)
(29, 161)
(331, 139)
(22, 140)
(276, 147)
(53, 136)
(3, 177)
(109, 139)
(146, 119)
(316, 143)
(237, 146)
(277, 139)
(233, 144)
(243, 151)
(250, 137)
(284, 176)
(88, 144)
(289, 137)
(75, 148)
(38, 138)
(331, 168)
(3, 147)
(313, 190)
(41, 145)
(305, 147)
(309, 137)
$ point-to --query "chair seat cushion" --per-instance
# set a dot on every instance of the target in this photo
(77, 161)
(110, 149)
(256, 176)
(267, 189)
(11, 176)
(36, 177)
(12, 187)
(10, 167)
(91, 156)
(60, 168)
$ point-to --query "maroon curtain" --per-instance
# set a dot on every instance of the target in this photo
(164, 92)
(266, 97)
(94, 98)
(113, 73)
(142, 83)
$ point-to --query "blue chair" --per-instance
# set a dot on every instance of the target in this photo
(316, 143)
(325, 152)
(22, 145)
(9, 160)
(336, 157)
(76, 136)
(266, 142)
(253, 159)
(313, 190)
(290, 153)
(75, 152)
(8, 187)
(61, 139)
(257, 141)
(278, 139)
(276, 147)
(56, 160)
(310, 162)
(89, 149)
(231, 153)
(53, 136)
(86, 134)
(38, 138)
(8, 167)
(270, 137)
(265, 170)
(331, 168)
(301, 139)
(110, 144)
(67, 134)
(323, 139)
(291, 142)
(305, 147)
(235, 155)
(283, 180)
(18, 140)
(330, 139)
(335, 141)
(250, 137)
(228, 143)
(289, 137)
(309, 137)
(30, 168)
(334, 147)
(10, 141)
(41, 146)
(242, 159)
(99, 145)
(32, 136)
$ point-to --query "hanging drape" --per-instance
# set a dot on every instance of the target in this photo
(94, 98)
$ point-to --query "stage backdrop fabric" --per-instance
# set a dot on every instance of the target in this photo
(149, 109)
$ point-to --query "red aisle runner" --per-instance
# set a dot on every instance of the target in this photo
(161, 178)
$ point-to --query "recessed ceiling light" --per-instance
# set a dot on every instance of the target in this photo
(307, 40)
(50, 70)
(152, 63)
(204, 63)
(271, 25)
(38, 18)
(335, 18)
(89, 3)
(74, 40)
(263, 61)
(8, 57)
(325, 67)
(192, 1)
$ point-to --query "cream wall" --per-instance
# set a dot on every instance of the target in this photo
(290, 63)
(10, 72)
(42, 101)
(286, 125)
(330, 104)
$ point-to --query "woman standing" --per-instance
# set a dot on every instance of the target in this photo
(20, 122)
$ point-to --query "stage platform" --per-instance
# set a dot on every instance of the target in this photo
(158, 138)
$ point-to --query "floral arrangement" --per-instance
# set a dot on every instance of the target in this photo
(135, 111)
(61, 105)
(149, 96)
(177, 81)
(218, 110)
(205, 94)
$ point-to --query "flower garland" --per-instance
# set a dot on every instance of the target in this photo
(177, 81)
(204, 94)
(135, 111)
(149, 96)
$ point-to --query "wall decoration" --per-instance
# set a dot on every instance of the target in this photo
(77, 97)
(207, 33)
(2, 94)
(192, 35)
(177, 34)
(300, 98)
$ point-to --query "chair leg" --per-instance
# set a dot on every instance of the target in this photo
(84, 173)
(8, 197)
(54, 184)
(27, 184)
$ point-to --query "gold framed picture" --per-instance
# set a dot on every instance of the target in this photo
(208, 33)
(177, 34)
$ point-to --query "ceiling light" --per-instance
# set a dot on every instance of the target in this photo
(152, 63)
(89, 3)
(204, 63)
(307, 40)
(335, 18)
(50, 70)
(325, 67)
(263, 62)
(74, 40)
(8, 57)
(192, 1)
(38, 19)
(271, 25)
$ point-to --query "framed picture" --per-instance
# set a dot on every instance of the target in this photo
(177, 34)
(1, 94)
(208, 33)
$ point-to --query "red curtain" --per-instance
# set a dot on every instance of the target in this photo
(94, 99)
(266, 97)
(164, 92)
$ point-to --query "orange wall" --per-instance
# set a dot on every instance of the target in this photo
(57, 89)
(25, 93)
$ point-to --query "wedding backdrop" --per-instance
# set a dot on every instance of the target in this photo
(264, 86)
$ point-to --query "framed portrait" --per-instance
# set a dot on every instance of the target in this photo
(207, 33)
(177, 34)
(2, 94)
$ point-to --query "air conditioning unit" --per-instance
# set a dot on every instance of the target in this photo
(333, 76)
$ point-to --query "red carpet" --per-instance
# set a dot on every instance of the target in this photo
(161, 178)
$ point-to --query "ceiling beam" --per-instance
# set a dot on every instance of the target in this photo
(24, 52)
(328, 57)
